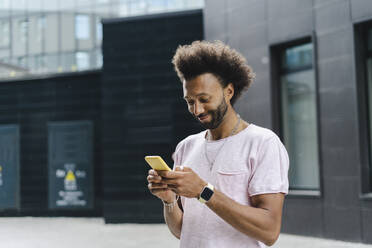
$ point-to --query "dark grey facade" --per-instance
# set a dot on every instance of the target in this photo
(342, 209)
(30, 106)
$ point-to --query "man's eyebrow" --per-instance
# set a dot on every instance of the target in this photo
(201, 94)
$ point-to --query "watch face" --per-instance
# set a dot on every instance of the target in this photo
(206, 194)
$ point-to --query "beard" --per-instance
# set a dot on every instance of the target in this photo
(217, 115)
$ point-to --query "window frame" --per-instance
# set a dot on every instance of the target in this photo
(360, 49)
(275, 71)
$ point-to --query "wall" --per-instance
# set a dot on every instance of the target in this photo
(252, 27)
(31, 104)
(142, 107)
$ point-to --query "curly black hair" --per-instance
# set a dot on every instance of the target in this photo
(217, 58)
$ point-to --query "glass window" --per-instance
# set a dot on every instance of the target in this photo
(4, 33)
(82, 27)
(176, 4)
(4, 8)
(138, 7)
(34, 6)
(4, 4)
(51, 5)
(82, 60)
(67, 5)
(23, 29)
(194, 3)
(51, 62)
(41, 24)
(18, 7)
(299, 116)
(369, 78)
(67, 61)
(157, 5)
(99, 29)
(124, 8)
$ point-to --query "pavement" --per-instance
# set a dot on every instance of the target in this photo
(56, 232)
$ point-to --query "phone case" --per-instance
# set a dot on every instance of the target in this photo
(157, 163)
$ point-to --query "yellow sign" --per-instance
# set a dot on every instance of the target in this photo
(70, 176)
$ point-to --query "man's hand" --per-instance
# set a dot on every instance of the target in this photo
(158, 188)
(183, 182)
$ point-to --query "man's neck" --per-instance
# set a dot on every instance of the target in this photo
(226, 126)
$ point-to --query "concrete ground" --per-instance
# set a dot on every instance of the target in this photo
(28, 232)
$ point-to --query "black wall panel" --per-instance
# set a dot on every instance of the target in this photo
(142, 107)
(31, 104)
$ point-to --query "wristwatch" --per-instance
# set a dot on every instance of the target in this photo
(206, 193)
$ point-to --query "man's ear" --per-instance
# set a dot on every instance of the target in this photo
(229, 91)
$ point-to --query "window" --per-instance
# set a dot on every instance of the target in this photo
(369, 83)
(366, 50)
(23, 30)
(99, 30)
(41, 24)
(82, 60)
(363, 60)
(139, 7)
(157, 5)
(82, 27)
(298, 114)
(4, 33)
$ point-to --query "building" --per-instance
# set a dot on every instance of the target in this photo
(313, 61)
(56, 36)
(313, 88)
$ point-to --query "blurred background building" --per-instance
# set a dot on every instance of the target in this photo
(72, 142)
(54, 36)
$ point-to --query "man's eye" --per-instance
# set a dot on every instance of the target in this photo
(204, 100)
(190, 103)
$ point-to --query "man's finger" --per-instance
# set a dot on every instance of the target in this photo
(157, 186)
(153, 172)
(155, 179)
(169, 174)
(186, 169)
(169, 181)
(155, 191)
(179, 168)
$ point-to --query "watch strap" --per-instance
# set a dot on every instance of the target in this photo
(210, 188)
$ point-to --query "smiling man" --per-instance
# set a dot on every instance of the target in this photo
(229, 181)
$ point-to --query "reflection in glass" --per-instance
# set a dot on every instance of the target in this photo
(82, 27)
(369, 76)
(23, 28)
(36, 29)
(299, 117)
(82, 60)
(4, 33)
(157, 5)
(138, 7)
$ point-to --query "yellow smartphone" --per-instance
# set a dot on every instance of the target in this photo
(157, 163)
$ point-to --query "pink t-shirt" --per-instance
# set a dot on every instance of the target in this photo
(251, 162)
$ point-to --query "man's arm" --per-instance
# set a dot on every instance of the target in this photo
(172, 215)
(173, 218)
(262, 221)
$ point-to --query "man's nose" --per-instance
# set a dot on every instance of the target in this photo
(198, 109)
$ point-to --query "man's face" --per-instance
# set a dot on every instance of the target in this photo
(205, 100)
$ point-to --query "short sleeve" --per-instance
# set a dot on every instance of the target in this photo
(270, 170)
(176, 156)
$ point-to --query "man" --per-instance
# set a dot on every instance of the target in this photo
(229, 182)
